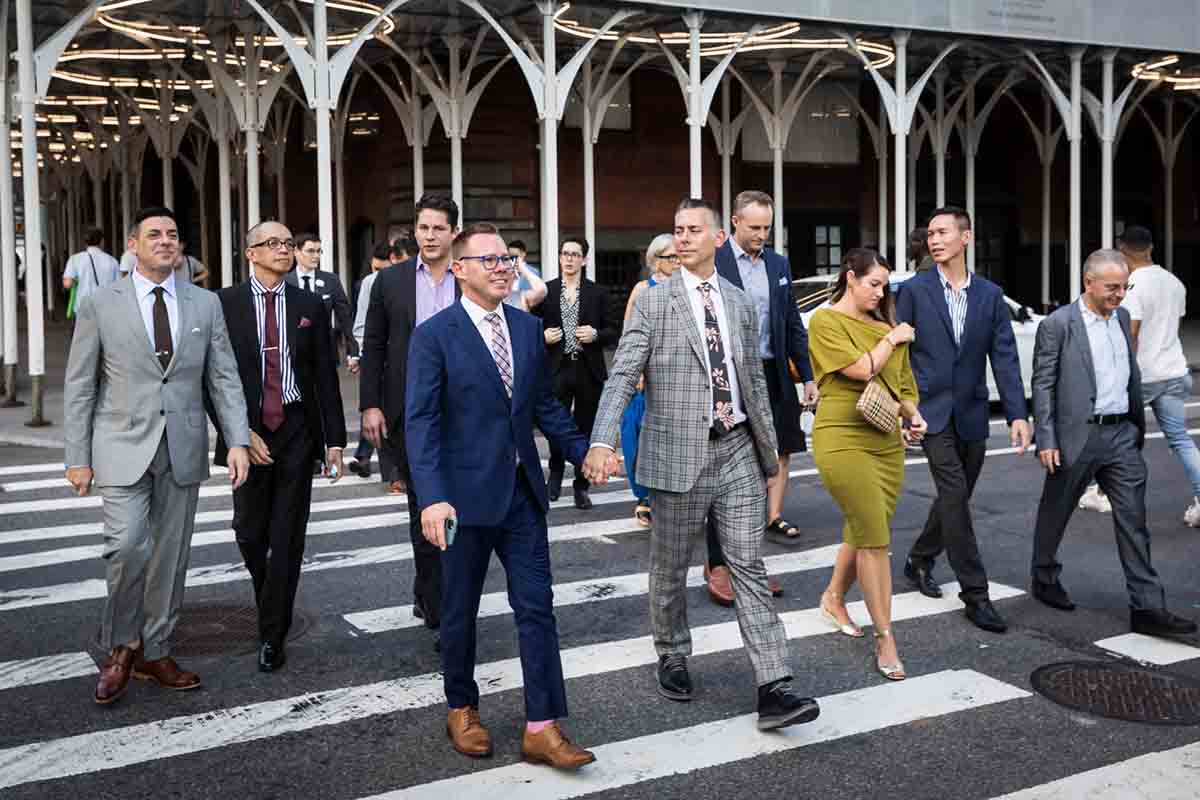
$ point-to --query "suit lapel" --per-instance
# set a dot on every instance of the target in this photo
(183, 302)
(1080, 339)
(480, 355)
(683, 308)
(292, 307)
(137, 328)
(938, 295)
(727, 266)
(248, 333)
(733, 325)
(974, 307)
(408, 290)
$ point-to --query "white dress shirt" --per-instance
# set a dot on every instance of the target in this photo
(691, 285)
(1110, 360)
(478, 315)
(144, 287)
(301, 274)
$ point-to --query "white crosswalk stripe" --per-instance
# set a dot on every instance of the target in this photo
(46, 669)
(1168, 775)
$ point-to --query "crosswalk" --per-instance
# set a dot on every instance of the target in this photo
(366, 667)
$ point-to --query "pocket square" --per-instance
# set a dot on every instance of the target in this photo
(196, 330)
(305, 322)
(784, 281)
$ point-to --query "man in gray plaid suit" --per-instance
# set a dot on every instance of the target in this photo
(707, 446)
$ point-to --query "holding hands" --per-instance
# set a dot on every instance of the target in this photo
(601, 464)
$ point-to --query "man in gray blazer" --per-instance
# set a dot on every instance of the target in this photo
(1090, 423)
(707, 446)
(144, 350)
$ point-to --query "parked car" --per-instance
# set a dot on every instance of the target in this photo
(813, 292)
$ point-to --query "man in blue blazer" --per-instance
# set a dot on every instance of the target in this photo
(961, 321)
(766, 277)
(478, 382)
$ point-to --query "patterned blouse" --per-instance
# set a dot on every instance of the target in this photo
(570, 320)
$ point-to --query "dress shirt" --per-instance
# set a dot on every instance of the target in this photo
(301, 274)
(691, 284)
(291, 391)
(757, 285)
(1110, 359)
(432, 297)
(956, 301)
(478, 315)
(144, 289)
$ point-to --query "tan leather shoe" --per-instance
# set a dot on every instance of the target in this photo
(551, 746)
(166, 673)
(467, 733)
(114, 676)
(720, 585)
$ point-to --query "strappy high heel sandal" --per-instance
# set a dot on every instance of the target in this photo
(893, 672)
(849, 629)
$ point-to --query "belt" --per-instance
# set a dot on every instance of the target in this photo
(1108, 419)
(714, 434)
(574, 356)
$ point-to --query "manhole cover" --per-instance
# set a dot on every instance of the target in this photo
(216, 629)
(1120, 691)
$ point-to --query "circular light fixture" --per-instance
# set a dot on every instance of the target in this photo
(1164, 69)
(777, 37)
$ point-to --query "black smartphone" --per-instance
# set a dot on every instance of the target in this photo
(451, 529)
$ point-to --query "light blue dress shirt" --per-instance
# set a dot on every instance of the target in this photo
(758, 286)
(1110, 358)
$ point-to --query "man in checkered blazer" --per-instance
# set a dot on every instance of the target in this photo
(707, 446)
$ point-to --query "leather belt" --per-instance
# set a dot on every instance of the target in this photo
(575, 356)
(1108, 419)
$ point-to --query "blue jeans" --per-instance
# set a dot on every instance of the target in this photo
(1166, 399)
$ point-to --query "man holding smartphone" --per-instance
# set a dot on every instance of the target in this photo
(478, 382)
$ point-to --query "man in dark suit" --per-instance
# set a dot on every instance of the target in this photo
(961, 320)
(575, 315)
(404, 296)
(311, 278)
(478, 382)
(766, 277)
(280, 337)
(1091, 423)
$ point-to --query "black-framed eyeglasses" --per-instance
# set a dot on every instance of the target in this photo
(492, 263)
(275, 244)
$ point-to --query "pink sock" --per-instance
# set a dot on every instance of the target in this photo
(538, 727)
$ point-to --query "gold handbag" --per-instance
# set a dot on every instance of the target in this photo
(877, 405)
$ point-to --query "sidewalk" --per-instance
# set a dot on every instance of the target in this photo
(13, 429)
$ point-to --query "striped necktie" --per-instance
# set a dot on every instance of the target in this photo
(500, 351)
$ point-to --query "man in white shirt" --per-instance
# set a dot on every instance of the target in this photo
(1156, 301)
(91, 268)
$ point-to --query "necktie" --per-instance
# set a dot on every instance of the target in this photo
(162, 329)
(307, 286)
(500, 351)
(722, 397)
(272, 400)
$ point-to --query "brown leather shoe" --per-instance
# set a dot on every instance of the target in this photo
(775, 586)
(720, 585)
(551, 746)
(467, 733)
(166, 673)
(114, 676)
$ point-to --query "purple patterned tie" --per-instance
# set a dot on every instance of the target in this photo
(500, 351)
(722, 396)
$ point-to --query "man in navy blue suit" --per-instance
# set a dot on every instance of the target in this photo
(478, 382)
(766, 276)
(961, 320)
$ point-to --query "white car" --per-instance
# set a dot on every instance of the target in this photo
(813, 292)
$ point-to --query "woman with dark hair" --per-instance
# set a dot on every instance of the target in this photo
(851, 342)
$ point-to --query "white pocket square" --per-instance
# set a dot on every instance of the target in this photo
(196, 330)
(784, 281)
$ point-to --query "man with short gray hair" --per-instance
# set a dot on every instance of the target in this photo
(1090, 423)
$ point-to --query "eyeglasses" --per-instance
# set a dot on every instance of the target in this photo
(492, 263)
(275, 244)
(672, 259)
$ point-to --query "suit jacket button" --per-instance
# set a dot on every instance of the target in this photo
(162, 412)
(164, 381)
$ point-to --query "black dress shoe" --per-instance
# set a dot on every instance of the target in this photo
(1053, 595)
(1159, 622)
(674, 683)
(922, 580)
(554, 485)
(582, 501)
(780, 705)
(360, 468)
(271, 657)
(985, 616)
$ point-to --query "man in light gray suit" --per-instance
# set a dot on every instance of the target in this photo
(144, 351)
(1090, 423)
(707, 446)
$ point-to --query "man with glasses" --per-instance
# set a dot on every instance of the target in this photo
(285, 357)
(575, 314)
(311, 278)
(404, 296)
(1091, 423)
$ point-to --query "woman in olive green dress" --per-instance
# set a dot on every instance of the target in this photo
(852, 341)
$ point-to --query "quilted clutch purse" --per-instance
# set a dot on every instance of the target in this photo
(878, 407)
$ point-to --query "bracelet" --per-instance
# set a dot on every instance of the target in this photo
(871, 359)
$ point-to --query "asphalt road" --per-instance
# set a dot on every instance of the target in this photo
(358, 711)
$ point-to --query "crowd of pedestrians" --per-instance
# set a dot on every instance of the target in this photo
(463, 352)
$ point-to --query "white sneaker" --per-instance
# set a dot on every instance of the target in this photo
(1095, 500)
(1191, 517)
